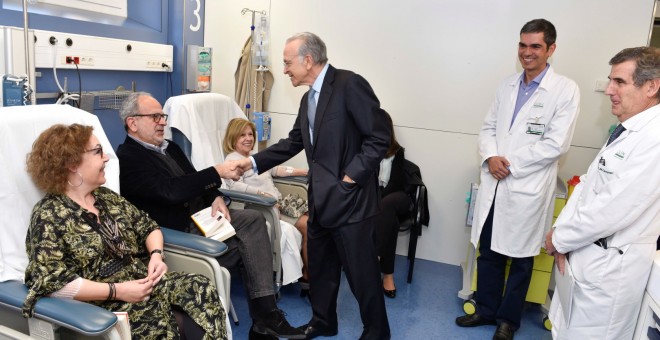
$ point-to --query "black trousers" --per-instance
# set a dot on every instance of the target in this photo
(491, 304)
(349, 247)
(394, 208)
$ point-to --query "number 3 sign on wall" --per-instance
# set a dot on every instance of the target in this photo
(198, 20)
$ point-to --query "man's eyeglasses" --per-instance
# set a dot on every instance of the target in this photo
(97, 150)
(155, 116)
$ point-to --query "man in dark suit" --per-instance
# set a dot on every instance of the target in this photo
(157, 177)
(344, 140)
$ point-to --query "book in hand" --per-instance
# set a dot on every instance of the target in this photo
(217, 228)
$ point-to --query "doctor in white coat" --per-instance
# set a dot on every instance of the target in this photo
(609, 227)
(526, 130)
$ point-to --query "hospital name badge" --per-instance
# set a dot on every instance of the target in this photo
(535, 128)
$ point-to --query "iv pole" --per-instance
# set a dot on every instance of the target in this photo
(247, 96)
(27, 41)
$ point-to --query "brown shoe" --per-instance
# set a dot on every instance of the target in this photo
(504, 332)
(473, 320)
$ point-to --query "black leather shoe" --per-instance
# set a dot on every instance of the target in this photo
(389, 293)
(313, 331)
(473, 320)
(504, 332)
(256, 336)
(275, 324)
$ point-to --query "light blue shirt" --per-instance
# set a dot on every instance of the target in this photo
(526, 90)
(318, 83)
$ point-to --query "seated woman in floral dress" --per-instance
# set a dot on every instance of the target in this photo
(88, 243)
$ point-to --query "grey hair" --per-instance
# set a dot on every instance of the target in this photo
(647, 62)
(312, 45)
(130, 106)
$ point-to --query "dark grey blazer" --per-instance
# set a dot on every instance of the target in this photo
(351, 136)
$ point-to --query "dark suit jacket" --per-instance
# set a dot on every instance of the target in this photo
(351, 136)
(147, 183)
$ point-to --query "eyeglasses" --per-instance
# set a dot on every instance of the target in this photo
(155, 116)
(97, 150)
(287, 63)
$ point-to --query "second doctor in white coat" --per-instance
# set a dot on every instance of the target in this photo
(518, 177)
(609, 227)
(524, 197)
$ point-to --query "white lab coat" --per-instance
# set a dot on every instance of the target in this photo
(620, 200)
(526, 195)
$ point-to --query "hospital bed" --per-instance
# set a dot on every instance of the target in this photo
(62, 318)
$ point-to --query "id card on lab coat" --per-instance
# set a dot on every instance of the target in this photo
(565, 286)
(535, 129)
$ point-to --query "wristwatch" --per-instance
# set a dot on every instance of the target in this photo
(158, 251)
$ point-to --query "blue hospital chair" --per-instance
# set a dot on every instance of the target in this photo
(54, 317)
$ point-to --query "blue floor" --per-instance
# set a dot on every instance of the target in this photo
(424, 309)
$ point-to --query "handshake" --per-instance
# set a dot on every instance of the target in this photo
(233, 169)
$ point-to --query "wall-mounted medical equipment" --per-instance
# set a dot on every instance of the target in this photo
(16, 91)
(198, 69)
(66, 50)
(16, 73)
(262, 121)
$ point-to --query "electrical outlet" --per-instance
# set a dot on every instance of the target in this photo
(87, 61)
(71, 60)
(159, 64)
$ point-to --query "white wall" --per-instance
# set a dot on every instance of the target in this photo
(435, 66)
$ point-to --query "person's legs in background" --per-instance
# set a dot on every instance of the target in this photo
(301, 225)
(394, 207)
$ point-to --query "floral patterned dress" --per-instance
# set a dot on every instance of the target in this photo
(62, 246)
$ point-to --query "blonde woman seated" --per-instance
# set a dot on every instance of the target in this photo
(87, 243)
(239, 141)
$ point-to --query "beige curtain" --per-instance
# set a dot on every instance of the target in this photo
(260, 83)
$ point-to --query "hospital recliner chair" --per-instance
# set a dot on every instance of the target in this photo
(197, 123)
(54, 317)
